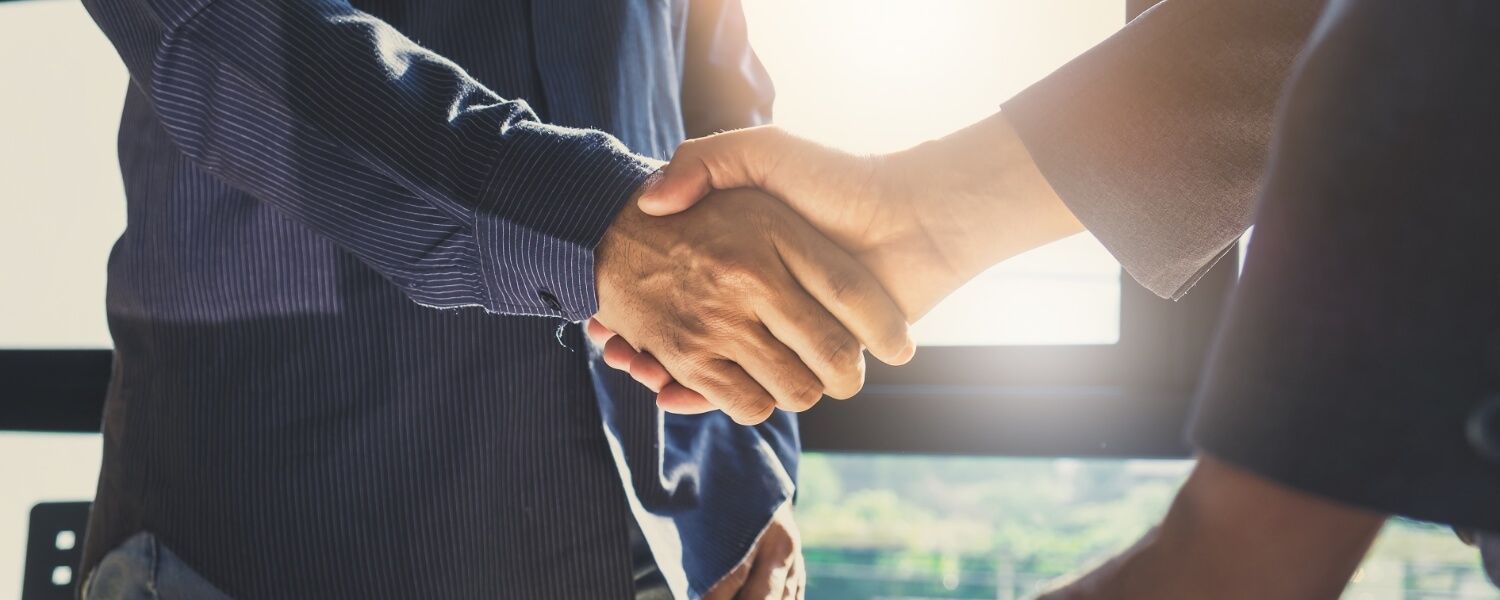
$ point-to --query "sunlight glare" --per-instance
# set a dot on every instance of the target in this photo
(881, 75)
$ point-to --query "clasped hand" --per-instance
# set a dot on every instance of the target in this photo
(740, 305)
(751, 271)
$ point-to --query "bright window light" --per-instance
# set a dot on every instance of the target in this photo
(880, 75)
(60, 192)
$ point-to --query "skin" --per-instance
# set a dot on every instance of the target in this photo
(744, 302)
(926, 220)
(883, 209)
(773, 570)
(1230, 534)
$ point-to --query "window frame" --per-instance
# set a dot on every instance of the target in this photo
(1126, 400)
(1129, 399)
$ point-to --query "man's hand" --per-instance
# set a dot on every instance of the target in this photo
(773, 570)
(745, 304)
(1231, 534)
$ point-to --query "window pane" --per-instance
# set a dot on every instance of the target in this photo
(62, 200)
(877, 75)
(880, 526)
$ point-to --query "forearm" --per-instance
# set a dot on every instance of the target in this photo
(981, 197)
(465, 198)
(1231, 534)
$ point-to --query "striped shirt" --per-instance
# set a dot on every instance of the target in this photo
(352, 234)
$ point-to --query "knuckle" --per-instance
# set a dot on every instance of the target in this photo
(841, 352)
(844, 286)
(686, 148)
(762, 413)
(728, 272)
(703, 369)
(724, 325)
(849, 384)
(804, 394)
(751, 409)
(675, 343)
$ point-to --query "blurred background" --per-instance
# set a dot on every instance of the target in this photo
(936, 515)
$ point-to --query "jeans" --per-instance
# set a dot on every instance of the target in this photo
(143, 569)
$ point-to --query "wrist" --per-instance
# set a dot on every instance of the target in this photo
(621, 239)
(986, 199)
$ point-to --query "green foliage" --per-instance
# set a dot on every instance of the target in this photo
(952, 527)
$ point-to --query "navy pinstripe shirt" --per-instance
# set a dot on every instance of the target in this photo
(335, 299)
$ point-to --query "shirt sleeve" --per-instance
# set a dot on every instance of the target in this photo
(284, 99)
(1157, 137)
(1360, 357)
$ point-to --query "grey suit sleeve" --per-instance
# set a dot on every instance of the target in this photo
(1157, 137)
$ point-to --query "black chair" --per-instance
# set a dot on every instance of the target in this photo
(54, 548)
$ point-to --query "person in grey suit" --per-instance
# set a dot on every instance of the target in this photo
(1356, 374)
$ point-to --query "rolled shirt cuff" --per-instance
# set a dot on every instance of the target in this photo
(540, 220)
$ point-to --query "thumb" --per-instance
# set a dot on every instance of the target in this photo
(676, 187)
(717, 162)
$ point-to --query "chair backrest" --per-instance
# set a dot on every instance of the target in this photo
(54, 548)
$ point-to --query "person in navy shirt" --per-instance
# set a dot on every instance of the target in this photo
(359, 236)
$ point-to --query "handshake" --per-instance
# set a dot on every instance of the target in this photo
(753, 271)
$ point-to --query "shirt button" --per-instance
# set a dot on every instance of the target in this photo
(1484, 429)
(550, 300)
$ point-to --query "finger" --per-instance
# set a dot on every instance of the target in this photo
(728, 387)
(796, 579)
(618, 353)
(729, 585)
(674, 398)
(597, 332)
(677, 186)
(778, 369)
(767, 579)
(848, 291)
(819, 339)
(722, 161)
(645, 369)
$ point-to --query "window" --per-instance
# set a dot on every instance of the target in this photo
(880, 526)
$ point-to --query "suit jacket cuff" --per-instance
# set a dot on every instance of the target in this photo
(1157, 137)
